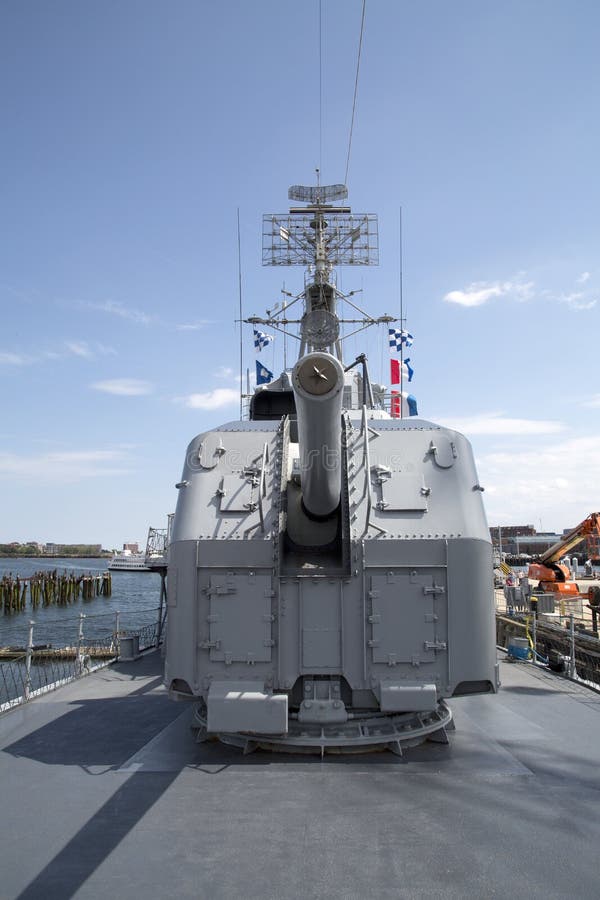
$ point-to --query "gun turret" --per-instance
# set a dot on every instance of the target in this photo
(312, 559)
(318, 381)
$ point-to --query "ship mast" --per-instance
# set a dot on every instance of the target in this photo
(320, 236)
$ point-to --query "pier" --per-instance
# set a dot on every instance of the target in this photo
(44, 653)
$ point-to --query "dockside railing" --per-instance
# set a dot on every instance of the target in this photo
(563, 644)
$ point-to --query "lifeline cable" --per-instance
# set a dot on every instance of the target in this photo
(320, 84)
(362, 26)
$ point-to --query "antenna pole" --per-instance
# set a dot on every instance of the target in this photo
(240, 311)
(284, 334)
(401, 328)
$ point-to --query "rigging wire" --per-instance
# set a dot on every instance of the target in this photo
(320, 83)
(362, 27)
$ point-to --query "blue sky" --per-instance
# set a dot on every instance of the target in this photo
(132, 133)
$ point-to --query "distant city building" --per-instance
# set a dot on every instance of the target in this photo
(52, 549)
(133, 548)
(524, 540)
(509, 531)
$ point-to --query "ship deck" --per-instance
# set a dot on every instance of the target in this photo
(105, 793)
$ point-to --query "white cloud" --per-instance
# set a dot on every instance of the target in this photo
(79, 348)
(211, 400)
(593, 402)
(104, 350)
(226, 372)
(577, 300)
(123, 312)
(15, 359)
(474, 295)
(124, 387)
(85, 350)
(193, 326)
(138, 316)
(480, 292)
(495, 423)
(557, 482)
(63, 466)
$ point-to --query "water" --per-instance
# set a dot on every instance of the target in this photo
(136, 595)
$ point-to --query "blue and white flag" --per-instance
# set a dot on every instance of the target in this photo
(409, 368)
(412, 405)
(263, 376)
(398, 337)
(261, 340)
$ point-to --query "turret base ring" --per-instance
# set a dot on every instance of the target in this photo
(362, 734)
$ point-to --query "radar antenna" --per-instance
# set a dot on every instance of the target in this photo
(320, 236)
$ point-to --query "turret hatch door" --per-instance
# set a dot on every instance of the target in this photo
(400, 491)
(409, 622)
(240, 618)
(236, 494)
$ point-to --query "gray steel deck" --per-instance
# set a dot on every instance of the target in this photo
(105, 794)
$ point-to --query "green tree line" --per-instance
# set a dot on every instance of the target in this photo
(21, 550)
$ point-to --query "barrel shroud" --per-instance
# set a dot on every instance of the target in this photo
(318, 384)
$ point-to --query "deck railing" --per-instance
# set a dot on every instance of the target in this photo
(76, 647)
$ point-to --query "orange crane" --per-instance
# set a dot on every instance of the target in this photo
(554, 575)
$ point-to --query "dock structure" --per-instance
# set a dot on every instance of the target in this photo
(157, 546)
(45, 653)
(51, 588)
(157, 560)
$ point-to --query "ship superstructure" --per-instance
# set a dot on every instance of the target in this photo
(330, 566)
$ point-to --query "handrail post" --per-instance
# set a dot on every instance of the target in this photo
(116, 642)
(163, 597)
(572, 669)
(367, 467)
(28, 660)
(79, 657)
(80, 633)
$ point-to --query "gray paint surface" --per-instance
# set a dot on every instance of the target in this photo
(105, 793)
(404, 604)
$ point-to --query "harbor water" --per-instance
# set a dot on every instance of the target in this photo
(135, 596)
(71, 638)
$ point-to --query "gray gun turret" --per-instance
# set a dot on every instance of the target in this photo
(330, 566)
(318, 383)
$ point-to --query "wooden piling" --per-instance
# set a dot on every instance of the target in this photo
(51, 588)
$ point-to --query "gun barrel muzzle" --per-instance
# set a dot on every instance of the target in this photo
(318, 383)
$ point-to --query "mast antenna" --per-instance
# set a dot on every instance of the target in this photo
(240, 312)
(401, 325)
(321, 235)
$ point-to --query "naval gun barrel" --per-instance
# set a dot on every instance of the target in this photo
(318, 384)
